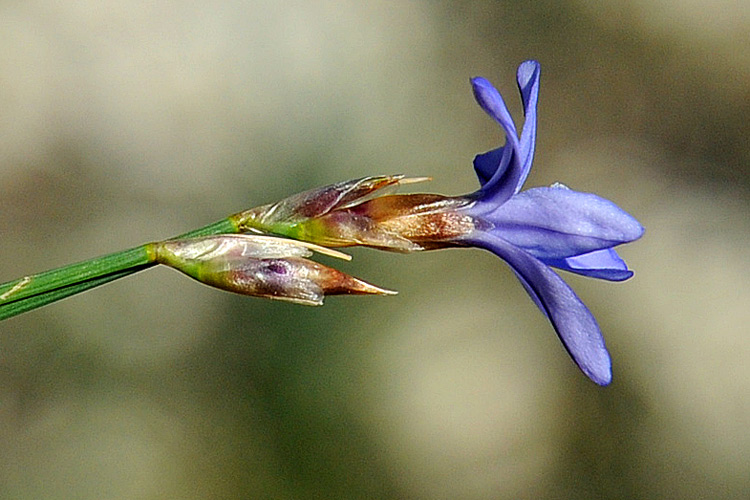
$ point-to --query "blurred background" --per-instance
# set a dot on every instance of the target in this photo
(127, 122)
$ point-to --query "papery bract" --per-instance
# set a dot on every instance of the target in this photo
(299, 216)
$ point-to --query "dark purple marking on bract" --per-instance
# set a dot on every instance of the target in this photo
(278, 267)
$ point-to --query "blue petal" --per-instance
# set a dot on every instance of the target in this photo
(602, 264)
(501, 170)
(486, 164)
(502, 175)
(528, 83)
(490, 100)
(556, 222)
(573, 322)
(534, 297)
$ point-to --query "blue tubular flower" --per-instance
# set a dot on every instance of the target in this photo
(531, 230)
(542, 227)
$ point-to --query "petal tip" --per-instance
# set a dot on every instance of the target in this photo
(603, 377)
(631, 229)
(527, 75)
(479, 81)
(597, 365)
(484, 91)
(602, 381)
(527, 69)
(641, 230)
(597, 368)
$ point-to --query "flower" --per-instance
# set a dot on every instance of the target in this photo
(261, 266)
(542, 227)
(531, 230)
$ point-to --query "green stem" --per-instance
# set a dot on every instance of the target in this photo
(35, 301)
(74, 273)
(40, 289)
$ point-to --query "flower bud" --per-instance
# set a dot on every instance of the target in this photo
(261, 266)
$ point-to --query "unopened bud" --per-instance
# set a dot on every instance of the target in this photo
(261, 266)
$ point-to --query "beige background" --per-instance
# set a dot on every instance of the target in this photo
(126, 122)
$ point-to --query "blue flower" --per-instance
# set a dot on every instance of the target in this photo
(531, 230)
(548, 226)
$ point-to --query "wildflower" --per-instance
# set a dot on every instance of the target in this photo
(261, 266)
(530, 230)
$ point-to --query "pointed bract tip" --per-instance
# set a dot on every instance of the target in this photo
(335, 282)
(414, 180)
(359, 287)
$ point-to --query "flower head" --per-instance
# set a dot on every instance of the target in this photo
(261, 266)
(531, 230)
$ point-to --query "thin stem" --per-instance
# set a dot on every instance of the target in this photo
(31, 292)
(35, 301)
(29, 286)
